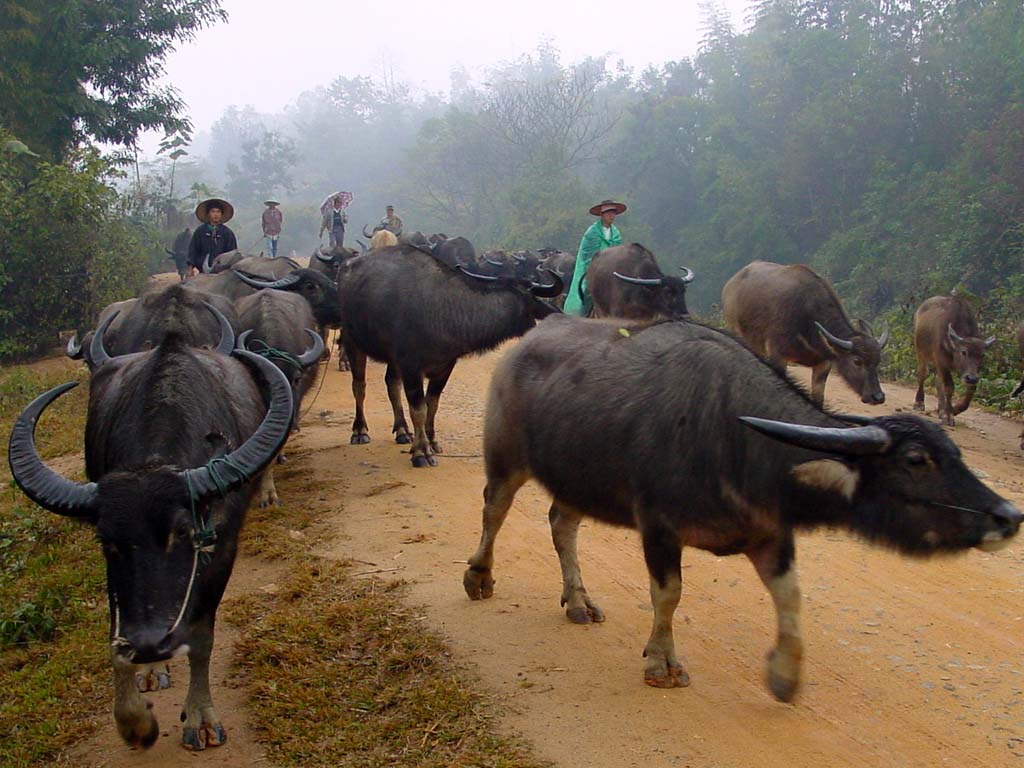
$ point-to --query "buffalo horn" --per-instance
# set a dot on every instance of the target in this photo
(486, 278)
(519, 257)
(285, 282)
(40, 483)
(243, 337)
(1018, 389)
(548, 291)
(362, 245)
(953, 334)
(312, 355)
(835, 341)
(856, 441)
(74, 348)
(853, 418)
(494, 261)
(227, 333)
(990, 341)
(648, 281)
(688, 274)
(256, 452)
(367, 234)
(325, 259)
(207, 266)
(884, 338)
(97, 352)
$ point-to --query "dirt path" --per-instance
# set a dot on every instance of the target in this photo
(908, 663)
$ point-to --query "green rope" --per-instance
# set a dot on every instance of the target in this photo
(223, 471)
(272, 354)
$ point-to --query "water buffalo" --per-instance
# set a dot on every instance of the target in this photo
(315, 287)
(175, 443)
(454, 251)
(228, 284)
(789, 313)
(277, 325)
(681, 432)
(1020, 387)
(626, 281)
(330, 261)
(142, 323)
(946, 336)
(406, 309)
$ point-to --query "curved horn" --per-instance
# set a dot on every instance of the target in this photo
(688, 274)
(647, 281)
(227, 333)
(367, 234)
(207, 266)
(853, 418)
(312, 355)
(74, 348)
(835, 341)
(518, 257)
(362, 245)
(990, 341)
(97, 352)
(242, 338)
(285, 282)
(40, 483)
(495, 262)
(256, 452)
(548, 291)
(485, 278)
(326, 259)
(856, 441)
(884, 338)
(953, 334)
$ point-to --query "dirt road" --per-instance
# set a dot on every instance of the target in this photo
(907, 663)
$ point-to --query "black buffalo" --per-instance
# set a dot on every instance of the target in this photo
(681, 432)
(175, 444)
(626, 281)
(406, 309)
(315, 287)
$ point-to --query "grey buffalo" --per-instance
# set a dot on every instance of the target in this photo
(946, 337)
(402, 307)
(790, 313)
(175, 443)
(680, 432)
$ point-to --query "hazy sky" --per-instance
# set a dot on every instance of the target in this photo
(269, 51)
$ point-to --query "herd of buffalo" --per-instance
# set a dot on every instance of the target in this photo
(642, 418)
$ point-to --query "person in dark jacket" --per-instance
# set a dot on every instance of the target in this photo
(212, 237)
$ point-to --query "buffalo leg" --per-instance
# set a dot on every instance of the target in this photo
(357, 362)
(922, 374)
(944, 384)
(663, 554)
(478, 580)
(775, 564)
(132, 713)
(343, 363)
(201, 726)
(421, 453)
(266, 495)
(399, 428)
(435, 387)
(819, 375)
(565, 526)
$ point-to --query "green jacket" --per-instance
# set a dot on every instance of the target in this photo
(577, 301)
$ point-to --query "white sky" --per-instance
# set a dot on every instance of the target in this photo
(269, 51)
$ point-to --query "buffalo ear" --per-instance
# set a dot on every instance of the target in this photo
(828, 475)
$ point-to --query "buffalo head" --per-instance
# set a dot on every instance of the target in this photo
(966, 353)
(315, 287)
(857, 358)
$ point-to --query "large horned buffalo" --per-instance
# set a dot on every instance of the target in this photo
(681, 432)
(315, 287)
(789, 313)
(140, 324)
(406, 309)
(946, 336)
(226, 283)
(626, 281)
(278, 326)
(175, 443)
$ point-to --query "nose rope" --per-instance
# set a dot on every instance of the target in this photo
(953, 506)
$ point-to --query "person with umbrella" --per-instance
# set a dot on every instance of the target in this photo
(599, 235)
(212, 237)
(334, 218)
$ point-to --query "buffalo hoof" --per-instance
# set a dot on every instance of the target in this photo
(403, 438)
(586, 614)
(668, 676)
(783, 675)
(435, 446)
(478, 584)
(343, 364)
(142, 731)
(269, 499)
(206, 735)
(359, 438)
(153, 680)
(919, 406)
(423, 461)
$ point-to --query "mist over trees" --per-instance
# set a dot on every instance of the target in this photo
(880, 141)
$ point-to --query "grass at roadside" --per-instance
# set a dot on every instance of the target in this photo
(54, 668)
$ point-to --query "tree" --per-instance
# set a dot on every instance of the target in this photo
(80, 69)
(264, 167)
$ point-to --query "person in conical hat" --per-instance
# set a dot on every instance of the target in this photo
(272, 219)
(599, 235)
(212, 237)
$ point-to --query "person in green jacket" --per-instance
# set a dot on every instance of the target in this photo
(599, 235)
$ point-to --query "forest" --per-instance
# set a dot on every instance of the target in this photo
(879, 141)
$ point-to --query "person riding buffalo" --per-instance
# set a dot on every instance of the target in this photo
(599, 235)
(212, 237)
